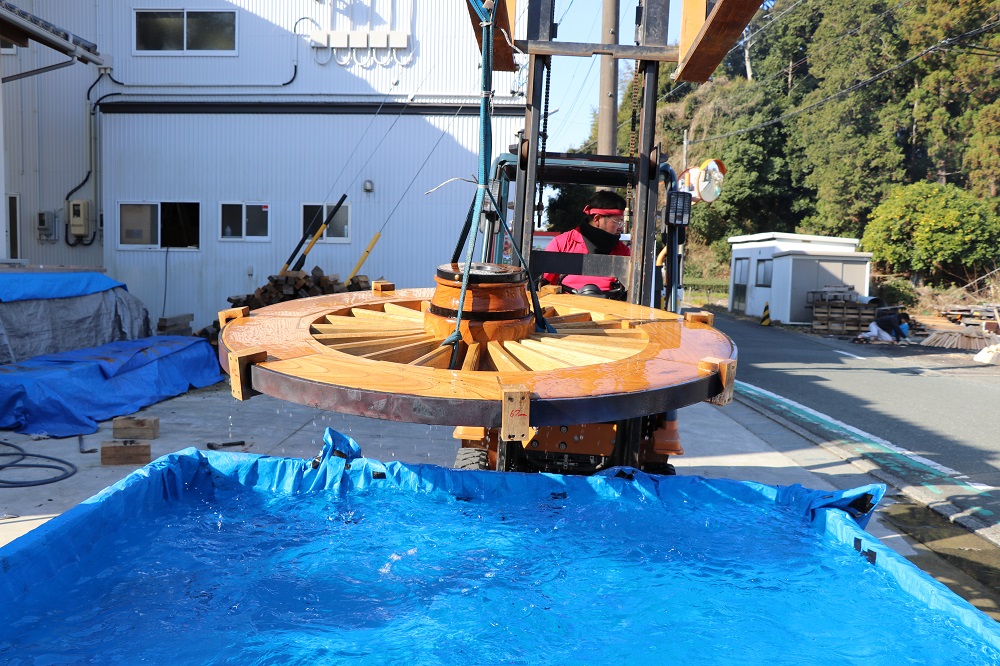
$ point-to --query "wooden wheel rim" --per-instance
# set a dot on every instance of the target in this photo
(662, 374)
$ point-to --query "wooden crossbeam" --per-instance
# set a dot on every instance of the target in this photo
(717, 36)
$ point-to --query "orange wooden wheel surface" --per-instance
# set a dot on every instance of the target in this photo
(377, 355)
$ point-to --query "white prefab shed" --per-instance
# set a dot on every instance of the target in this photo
(778, 270)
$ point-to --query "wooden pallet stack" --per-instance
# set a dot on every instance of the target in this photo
(842, 317)
(968, 339)
(288, 287)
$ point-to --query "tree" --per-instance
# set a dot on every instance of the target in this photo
(936, 230)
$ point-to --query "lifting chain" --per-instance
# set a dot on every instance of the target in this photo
(629, 193)
(543, 135)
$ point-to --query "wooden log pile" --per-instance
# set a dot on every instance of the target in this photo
(176, 325)
(968, 339)
(288, 287)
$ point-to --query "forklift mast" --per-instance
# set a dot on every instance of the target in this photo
(533, 167)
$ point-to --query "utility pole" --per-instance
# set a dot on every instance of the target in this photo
(607, 109)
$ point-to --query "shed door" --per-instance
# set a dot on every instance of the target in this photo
(741, 275)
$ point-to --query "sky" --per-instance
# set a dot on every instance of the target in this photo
(575, 81)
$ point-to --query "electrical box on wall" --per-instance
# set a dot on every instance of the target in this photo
(46, 224)
(79, 218)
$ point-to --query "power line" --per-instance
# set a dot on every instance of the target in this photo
(943, 44)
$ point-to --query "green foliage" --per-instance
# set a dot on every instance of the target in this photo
(565, 208)
(897, 291)
(937, 230)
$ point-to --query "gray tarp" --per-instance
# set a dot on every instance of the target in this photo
(34, 327)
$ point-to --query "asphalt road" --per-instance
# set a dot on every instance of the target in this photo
(940, 405)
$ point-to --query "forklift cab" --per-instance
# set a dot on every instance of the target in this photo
(575, 169)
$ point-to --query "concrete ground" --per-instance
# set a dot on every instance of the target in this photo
(740, 441)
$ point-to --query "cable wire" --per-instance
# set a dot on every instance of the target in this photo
(19, 459)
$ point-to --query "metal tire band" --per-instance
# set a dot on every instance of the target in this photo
(470, 315)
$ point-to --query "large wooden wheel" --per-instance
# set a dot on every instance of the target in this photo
(379, 354)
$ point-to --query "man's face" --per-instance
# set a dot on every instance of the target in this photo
(612, 224)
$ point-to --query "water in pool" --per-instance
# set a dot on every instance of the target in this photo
(387, 575)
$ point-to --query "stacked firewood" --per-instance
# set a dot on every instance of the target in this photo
(969, 339)
(288, 287)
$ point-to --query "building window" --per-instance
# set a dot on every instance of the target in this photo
(764, 272)
(185, 31)
(244, 221)
(165, 224)
(339, 229)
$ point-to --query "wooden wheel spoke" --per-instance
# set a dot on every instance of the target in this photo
(365, 347)
(573, 318)
(502, 359)
(405, 353)
(572, 356)
(436, 358)
(378, 315)
(534, 359)
(472, 356)
(403, 311)
(629, 344)
(341, 323)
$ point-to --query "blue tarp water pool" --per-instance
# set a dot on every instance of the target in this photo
(211, 557)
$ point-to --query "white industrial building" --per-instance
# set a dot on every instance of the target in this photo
(195, 153)
(779, 270)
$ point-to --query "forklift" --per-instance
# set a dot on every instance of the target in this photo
(517, 181)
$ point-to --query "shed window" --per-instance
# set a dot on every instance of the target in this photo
(339, 229)
(165, 224)
(185, 31)
(244, 220)
(764, 272)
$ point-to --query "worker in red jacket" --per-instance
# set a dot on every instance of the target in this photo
(600, 234)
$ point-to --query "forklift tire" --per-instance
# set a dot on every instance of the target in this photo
(476, 459)
(664, 469)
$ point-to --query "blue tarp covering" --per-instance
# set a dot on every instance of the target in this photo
(68, 393)
(38, 286)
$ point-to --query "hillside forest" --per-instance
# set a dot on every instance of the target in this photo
(870, 119)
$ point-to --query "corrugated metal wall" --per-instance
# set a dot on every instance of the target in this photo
(284, 160)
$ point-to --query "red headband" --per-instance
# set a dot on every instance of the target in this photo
(607, 212)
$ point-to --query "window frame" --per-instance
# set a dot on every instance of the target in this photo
(768, 266)
(327, 238)
(243, 221)
(159, 227)
(136, 51)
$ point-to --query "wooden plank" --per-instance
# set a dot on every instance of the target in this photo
(702, 317)
(534, 359)
(573, 318)
(472, 354)
(405, 353)
(437, 358)
(383, 286)
(614, 331)
(503, 360)
(717, 36)
(134, 427)
(226, 316)
(727, 375)
(409, 313)
(516, 413)
(365, 347)
(239, 370)
(126, 452)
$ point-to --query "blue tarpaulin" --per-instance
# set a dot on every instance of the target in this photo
(39, 286)
(68, 393)
(452, 592)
